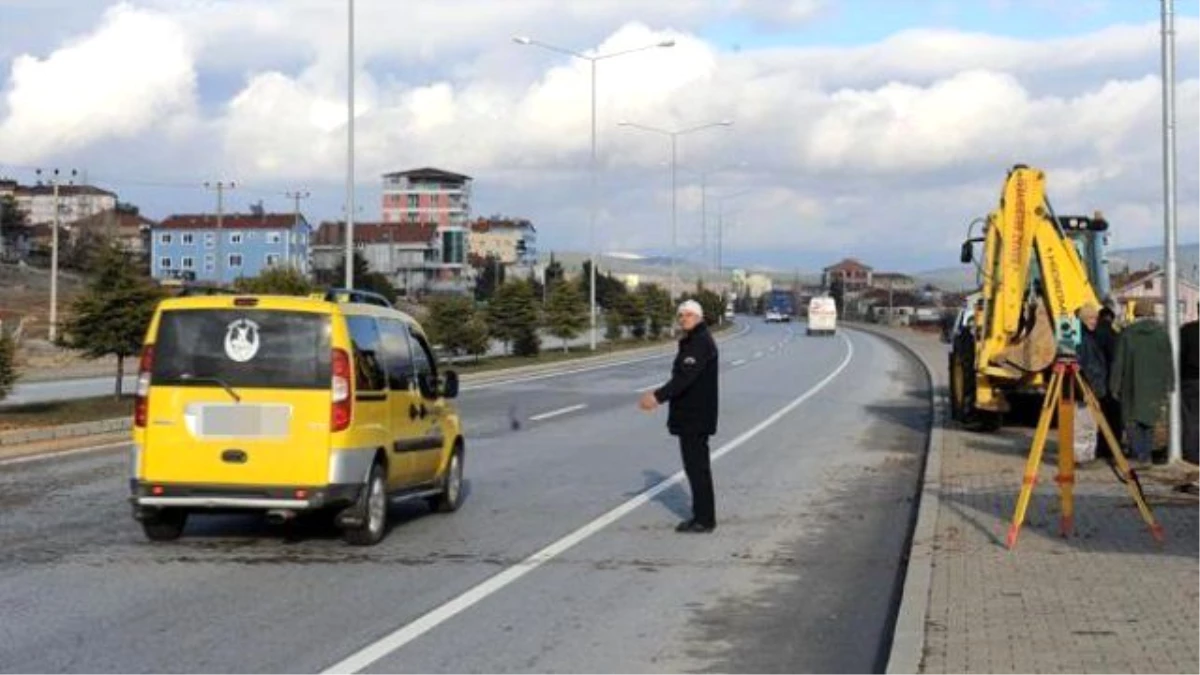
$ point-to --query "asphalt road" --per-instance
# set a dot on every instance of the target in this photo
(563, 557)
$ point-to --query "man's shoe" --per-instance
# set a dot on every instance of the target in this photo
(693, 527)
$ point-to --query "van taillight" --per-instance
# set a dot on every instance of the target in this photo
(141, 405)
(343, 399)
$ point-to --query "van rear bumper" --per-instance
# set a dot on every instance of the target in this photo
(191, 496)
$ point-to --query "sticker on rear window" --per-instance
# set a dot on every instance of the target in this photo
(241, 340)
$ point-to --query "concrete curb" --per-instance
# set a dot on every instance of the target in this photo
(908, 637)
(9, 439)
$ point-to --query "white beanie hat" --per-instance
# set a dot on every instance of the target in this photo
(691, 307)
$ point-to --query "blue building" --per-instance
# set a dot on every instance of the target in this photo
(191, 247)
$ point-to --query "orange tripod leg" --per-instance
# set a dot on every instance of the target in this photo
(1066, 454)
(1053, 392)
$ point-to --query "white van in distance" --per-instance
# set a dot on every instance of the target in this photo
(822, 316)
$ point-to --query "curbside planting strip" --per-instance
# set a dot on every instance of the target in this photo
(908, 637)
(17, 437)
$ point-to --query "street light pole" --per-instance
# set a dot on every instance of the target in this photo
(1174, 449)
(350, 152)
(52, 330)
(593, 167)
(674, 134)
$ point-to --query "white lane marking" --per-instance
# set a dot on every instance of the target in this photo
(739, 362)
(757, 355)
(649, 387)
(373, 652)
(588, 369)
(556, 413)
(64, 453)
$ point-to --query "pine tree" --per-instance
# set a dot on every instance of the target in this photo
(8, 366)
(513, 316)
(111, 317)
(659, 309)
(633, 314)
(449, 323)
(275, 281)
(475, 337)
(566, 313)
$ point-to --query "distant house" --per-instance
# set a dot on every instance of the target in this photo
(74, 201)
(193, 247)
(893, 281)
(854, 275)
(1149, 284)
(512, 241)
(407, 253)
(128, 229)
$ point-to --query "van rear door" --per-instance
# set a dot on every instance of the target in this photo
(239, 396)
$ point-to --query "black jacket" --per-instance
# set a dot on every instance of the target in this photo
(692, 390)
(1093, 364)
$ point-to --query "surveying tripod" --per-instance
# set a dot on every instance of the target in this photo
(1065, 382)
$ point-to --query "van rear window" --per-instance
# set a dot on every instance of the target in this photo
(243, 348)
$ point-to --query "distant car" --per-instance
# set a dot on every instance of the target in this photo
(776, 316)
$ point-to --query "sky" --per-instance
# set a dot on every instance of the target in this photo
(876, 129)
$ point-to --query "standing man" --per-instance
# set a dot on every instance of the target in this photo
(1106, 337)
(1142, 376)
(692, 416)
(1189, 378)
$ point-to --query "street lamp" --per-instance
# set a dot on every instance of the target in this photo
(593, 196)
(721, 224)
(1170, 223)
(704, 174)
(674, 135)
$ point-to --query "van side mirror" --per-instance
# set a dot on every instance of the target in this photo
(968, 253)
(426, 385)
(450, 386)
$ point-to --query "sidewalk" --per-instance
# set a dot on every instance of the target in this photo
(1107, 600)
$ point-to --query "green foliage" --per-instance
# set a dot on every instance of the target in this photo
(111, 317)
(656, 301)
(365, 279)
(613, 329)
(566, 312)
(275, 281)
(491, 277)
(513, 316)
(8, 366)
(475, 339)
(554, 272)
(609, 289)
(633, 314)
(451, 322)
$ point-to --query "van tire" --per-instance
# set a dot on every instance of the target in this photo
(374, 504)
(452, 487)
(165, 525)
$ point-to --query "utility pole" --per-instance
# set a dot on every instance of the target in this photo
(350, 152)
(54, 226)
(296, 196)
(220, 187)
(1174, 448)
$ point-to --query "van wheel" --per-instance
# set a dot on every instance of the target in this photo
(375, 511)
(166, 525)
(451, 497)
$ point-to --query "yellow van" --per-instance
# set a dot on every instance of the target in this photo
(284, 405)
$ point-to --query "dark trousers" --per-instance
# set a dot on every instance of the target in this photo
(1112, 414)
(1190, 392)
(697, 465)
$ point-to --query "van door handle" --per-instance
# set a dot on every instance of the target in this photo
(412, 411)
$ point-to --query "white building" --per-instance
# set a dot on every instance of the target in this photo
(74, 201)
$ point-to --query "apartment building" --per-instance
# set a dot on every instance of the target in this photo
(407, 253)
(442, 199)
(193, 247)
(512, 241)
(74, 201)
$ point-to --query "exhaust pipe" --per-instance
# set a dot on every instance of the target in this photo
(280, 516)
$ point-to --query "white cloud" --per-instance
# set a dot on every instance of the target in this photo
(845, 146)
(132, 71)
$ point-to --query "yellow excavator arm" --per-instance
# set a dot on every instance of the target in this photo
(1033, 283)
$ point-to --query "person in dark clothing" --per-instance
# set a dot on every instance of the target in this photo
(1189, 372)
(1094, 369)
(1106, 338)
(692, 416)
(1142, 377)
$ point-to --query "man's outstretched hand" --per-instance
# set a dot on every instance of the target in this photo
(648, 402)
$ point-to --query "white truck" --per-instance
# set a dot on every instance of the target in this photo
(822, 316)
